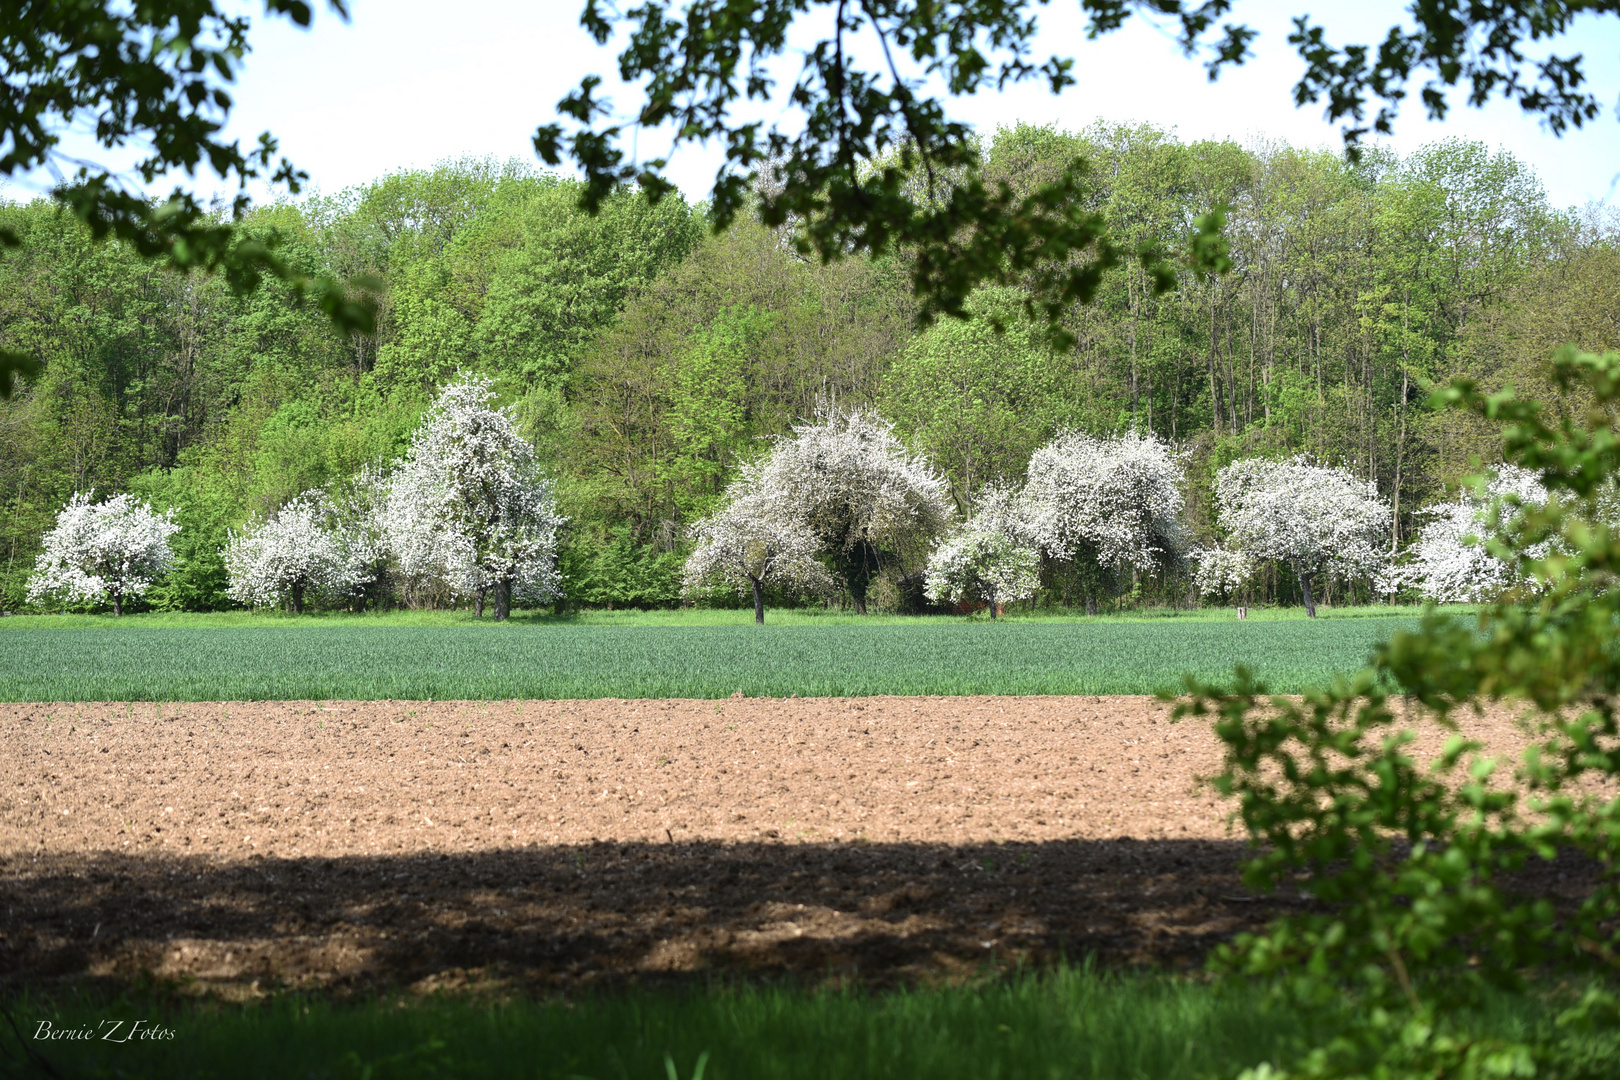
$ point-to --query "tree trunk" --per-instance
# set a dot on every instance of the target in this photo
(478, 602)
(118, 602)
(296, 599)
(860, 563)
(1305, 587)
(503, 599)
(759, 603)
(1091, 604)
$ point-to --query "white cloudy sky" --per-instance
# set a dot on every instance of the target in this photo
(411, 82)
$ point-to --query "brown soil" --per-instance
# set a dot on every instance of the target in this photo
(355, 844)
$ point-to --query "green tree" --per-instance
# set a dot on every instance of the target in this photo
(1412, 865)
(711, 425)
(569, 273)
(975, 400)
(781, 333)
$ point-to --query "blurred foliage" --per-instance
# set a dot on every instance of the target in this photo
(155, 75)
(1413, 863)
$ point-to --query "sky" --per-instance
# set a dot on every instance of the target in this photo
(408, 83)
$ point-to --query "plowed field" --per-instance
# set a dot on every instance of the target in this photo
(235, 846)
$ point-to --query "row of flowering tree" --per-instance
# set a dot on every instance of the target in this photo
(466, 513)
(841, 500)
(834, 506)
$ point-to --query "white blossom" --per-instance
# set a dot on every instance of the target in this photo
(354, 514)
(292, 557)
(1118, 498)
(870, 503)
(1449, 561)
(987, 557)
(1312, 517)
(469, 506)
(1221, 571)
(752, 542)
(103, 551)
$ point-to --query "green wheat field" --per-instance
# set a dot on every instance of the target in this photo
(204, 660)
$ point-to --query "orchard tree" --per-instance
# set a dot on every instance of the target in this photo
(870, 503)
(1115, 501)
(293, 557)
(1221, 571)
(1311, 517)
(751, 542)
(987, 558)
(100, 552)
(1452, 560)
(470, 505)
(354, 510)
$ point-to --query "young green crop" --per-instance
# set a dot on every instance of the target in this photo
(356, 660)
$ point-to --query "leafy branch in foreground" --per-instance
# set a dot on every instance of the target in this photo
(1411, 864)
(151, 75)
(872, 161)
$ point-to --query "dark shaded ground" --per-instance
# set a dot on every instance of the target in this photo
(556, 917)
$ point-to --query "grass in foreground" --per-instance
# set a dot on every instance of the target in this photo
(356, 659)
(1074, 1022)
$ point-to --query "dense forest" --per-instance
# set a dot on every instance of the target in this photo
(647, 357)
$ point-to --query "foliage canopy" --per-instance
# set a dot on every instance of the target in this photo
(872, 160)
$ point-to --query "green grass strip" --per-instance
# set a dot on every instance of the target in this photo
(354, 660)
(1071, 1022)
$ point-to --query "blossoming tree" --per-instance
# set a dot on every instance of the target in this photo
(106, 551)
(354, 510)
(869, 502)
(1450, 561)
(1312, 517)
(293, 557)
(751, 543)
(1221, 571)
(1106, 502)
(988, 557)
(470, 505)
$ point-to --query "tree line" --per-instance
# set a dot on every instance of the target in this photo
(647, 360)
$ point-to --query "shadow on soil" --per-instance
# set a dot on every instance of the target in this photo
(560, 917)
